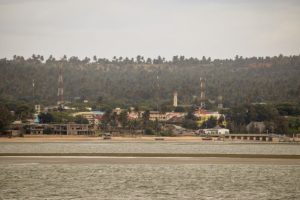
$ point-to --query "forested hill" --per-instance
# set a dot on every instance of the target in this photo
(135, 81)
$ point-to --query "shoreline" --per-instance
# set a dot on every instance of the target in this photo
(153, 155)
(84, 138)
(143, 160)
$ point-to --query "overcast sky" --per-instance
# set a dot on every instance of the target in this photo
(107, 28)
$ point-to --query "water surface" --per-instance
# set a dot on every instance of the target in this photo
(149, 147)
(147, 181)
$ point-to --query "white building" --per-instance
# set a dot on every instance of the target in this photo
(92, 116)
(214, 131)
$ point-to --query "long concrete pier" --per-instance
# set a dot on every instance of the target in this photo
(250, 137)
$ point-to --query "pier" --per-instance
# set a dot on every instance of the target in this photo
(250, 137)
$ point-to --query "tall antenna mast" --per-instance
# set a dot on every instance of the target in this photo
(33, 92)
(202, 93)
(60, 91)
(157, 93)
(220, 102)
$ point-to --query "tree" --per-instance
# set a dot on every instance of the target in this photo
(146, 116)
(119, 82)
(62, 117)
(211, 122)
(179, 109)
(156, 126)
(281, 125)
(266, 113)
(100, 99)
(123, 118)
(251, 114)
(149, 131)
(23, 111)
(133, 125)
(95, 58)
(45, 118)
(221, 120)
(138, 59)
(190, 115)
(175, 59)
(149, 61)
(5, 117)
(190, 124)
(81, 120)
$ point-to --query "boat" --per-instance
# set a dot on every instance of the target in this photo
(207, 138)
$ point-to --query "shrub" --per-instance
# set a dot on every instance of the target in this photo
(149, 131)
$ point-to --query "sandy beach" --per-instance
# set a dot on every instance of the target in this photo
(78, 138)
(82, 138)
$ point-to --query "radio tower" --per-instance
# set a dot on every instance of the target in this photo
(202, 93)
(220, 102)
(33, 92)
(60, 91)
(157, 92)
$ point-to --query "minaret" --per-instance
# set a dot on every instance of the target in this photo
(60, 91)
(175, 99)
(202, 93)
(220, 102)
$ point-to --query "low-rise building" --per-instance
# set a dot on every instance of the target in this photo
(214, 131)
(174, 115)
(36, 129)
(92, 116)
(156, 115)
(61, 129)
(73, 129)
(133, 115)
(205, 114)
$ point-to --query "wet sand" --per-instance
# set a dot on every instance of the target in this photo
(142, 160)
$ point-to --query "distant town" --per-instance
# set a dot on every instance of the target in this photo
(255, 121)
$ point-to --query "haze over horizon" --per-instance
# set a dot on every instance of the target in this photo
(150, 28)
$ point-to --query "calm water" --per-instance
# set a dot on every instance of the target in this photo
(34, 180)
(149, 147)
(144, 181)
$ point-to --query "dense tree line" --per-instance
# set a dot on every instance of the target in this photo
(144, 81)
(5, 117)
(275, 117)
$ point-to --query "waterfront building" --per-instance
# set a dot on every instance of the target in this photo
(60, 129)
(214, 131)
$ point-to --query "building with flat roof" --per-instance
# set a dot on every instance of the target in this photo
(156, 115)
(61, 129)
(214, 131)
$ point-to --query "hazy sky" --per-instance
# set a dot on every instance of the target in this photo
(220, 29)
